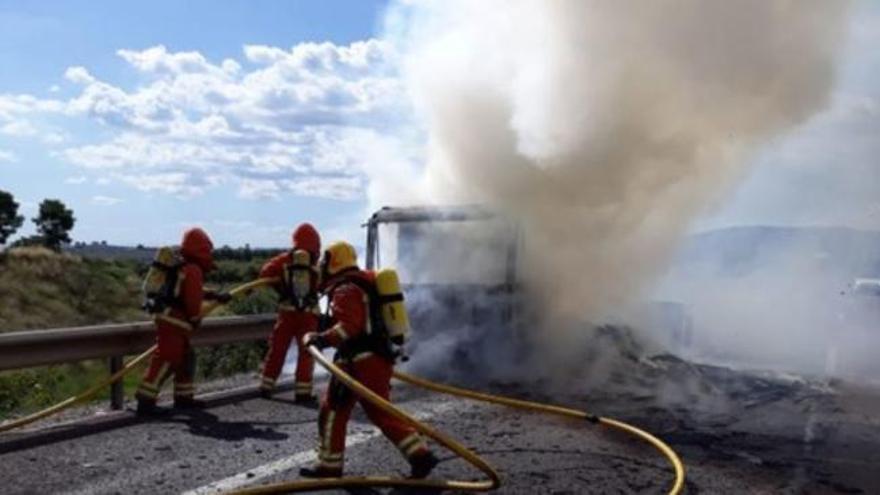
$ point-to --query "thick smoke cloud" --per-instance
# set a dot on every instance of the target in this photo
(603, 127)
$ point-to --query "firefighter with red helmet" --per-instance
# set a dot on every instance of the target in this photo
(298, 311)
(174, 354)
(364, 352)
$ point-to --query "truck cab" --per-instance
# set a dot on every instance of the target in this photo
(458, 269)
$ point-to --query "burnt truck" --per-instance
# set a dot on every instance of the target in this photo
(460, 271)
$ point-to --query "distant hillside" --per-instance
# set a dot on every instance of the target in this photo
(741, 250)
(42, 289)
(144, 254)
(102, 250)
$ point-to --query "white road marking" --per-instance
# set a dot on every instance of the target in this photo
(254, 475)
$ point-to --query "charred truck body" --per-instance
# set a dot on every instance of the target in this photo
(460, 268)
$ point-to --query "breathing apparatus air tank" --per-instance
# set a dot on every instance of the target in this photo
(161, 282)
(301, 273)
(391, 302)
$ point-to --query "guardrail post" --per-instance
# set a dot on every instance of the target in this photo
(117, 390)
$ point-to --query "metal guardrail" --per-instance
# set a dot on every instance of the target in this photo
(63, 345)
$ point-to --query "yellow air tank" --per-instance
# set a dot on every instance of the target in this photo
(156, 280)
(393, 309)
(301, 274)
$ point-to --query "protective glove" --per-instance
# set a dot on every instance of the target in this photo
(314, 339)
(325, 321)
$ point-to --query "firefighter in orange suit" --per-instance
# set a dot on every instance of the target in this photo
(362, 354)
(174, 355)
(298, 311)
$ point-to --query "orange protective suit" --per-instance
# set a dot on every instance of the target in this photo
(296, 315)
(350, 313)
(175, 355)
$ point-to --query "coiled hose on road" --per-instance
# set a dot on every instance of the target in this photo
(95, 389)
(472, 458)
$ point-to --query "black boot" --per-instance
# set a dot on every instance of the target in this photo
(422, 464)
(189, 403)
(149, 409)
(265, 393)
(320, 472)
(304, 399)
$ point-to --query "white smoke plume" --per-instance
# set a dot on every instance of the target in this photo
(605, 127)
(785, 299)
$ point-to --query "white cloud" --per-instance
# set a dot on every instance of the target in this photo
(53, 137)
(259, 189)
(176, 183)
(263, 54)
(78, 75)
(341, 188)
(305, 121)
(21, 128)
(7, 156)
(136, 151)
(105, 200)
(80, 179)
(18, 128)
(158, 60)
(308, 115)
(13, 107)
(344, 188)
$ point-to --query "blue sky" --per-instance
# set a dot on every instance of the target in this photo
(247, 117)
(40, 41)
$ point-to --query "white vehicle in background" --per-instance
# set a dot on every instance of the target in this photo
(852, 347)
(866, 287)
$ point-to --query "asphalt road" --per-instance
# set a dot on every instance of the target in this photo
(247, 441)
(255, 441)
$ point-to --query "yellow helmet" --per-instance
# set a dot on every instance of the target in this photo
(338, 257)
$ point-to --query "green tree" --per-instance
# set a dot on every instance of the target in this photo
(10, 220)
(54, 222)
(29, 241)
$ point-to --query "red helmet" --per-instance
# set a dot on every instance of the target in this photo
(197, 248)
(306, 237)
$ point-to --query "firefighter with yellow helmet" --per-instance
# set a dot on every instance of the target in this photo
(365, 330)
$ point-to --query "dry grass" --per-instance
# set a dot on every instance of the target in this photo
(43, 289)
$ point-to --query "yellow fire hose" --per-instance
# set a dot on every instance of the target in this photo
(491, 483)
(373, 481)
(95, 389)
(474, 486)
(664, 449)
